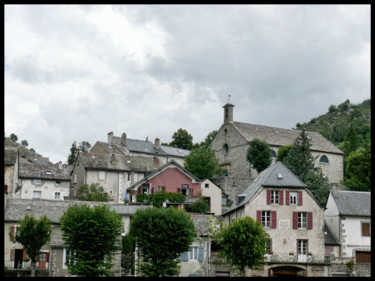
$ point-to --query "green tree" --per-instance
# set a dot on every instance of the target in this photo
(33, 234)
(92, 192)
(13, 137)
(161, 235)
(199, 206)
(358, 169)
(202, 162)
(243, 243)
(208, 140)
(282, 153)
(158, 198)
(351, 142)
(318, 185)
(127, 255)
(83, 146)
(25, 143)
(92, 234)
(259, 155)
(182, 139)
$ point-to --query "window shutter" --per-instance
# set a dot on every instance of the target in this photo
(287, 199)
(12, 254)
(259, 216)
(273, 217)
(24, 256)
(47, 257)
(281, 197)
(201, 252)
(365, 229)
(309, 220)
(299, 198)
(295, 219)
(139, 190)
(268, 197)
(12, 230)
(186, 256)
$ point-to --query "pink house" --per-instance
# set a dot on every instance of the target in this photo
(171, 177)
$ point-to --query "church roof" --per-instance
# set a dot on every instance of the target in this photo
(281, 137)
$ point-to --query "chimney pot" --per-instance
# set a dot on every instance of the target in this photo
(123, 139)
(157, 143)
(110, 137)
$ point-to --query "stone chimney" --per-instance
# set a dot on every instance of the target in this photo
(334, 189)
(59, 165)
(157, 143)
(110, 137)
(123, 139)
(228, 113)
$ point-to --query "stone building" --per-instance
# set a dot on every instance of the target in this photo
(10, 171)
(232, 142)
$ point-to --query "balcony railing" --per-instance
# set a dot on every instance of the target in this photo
(295, 258)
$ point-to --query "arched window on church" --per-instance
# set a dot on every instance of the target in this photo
(324, 159)
(225, 149)
(273, 154)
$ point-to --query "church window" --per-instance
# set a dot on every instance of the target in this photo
(225, 149)
(324, 159)
(273, 154)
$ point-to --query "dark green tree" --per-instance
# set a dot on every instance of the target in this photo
(208, 140)
(92, 192)
(199, 206)
(33, 234)
(13, 137)
(351, 142)
(161, 235)
(243, 243)
(202, 162)
(158, 198)
(127, 255)
(318, 185)
(259, 155)
(182, 139)
(83, 146)
(283, 152)
(93, 235)
(25, 143)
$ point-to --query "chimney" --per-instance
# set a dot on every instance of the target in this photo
(334, 189)
(59, 165)
(157, 143)
(110, 137)
(123, 139)
(228, 113)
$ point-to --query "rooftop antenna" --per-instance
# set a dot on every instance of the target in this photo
(229, 98)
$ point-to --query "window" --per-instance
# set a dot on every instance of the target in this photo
(365, 229)
(269, 246)
(67, 257)
(193, 254)
(135, 177)
(225, 149)
(324, 159)
(273, 154)
(302, 220)
(224, 201)
(57, 195)
(145, 188)
(293, 198)
(37, 194)
(302, 247)
(274, 197)
(160, 188)
(101, 175)
(75, 178)
(58, 182)
(266, 218)
(37, 181)
(48, 172)
(363, 257)
(206, 185)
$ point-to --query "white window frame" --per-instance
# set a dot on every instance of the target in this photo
(293, 198)
(37, 192)
(38, 181)
(59, 195)
(64, 259)
(274, 197)
(193, 253)
(302, 220)
(101, 175)
(266, 218)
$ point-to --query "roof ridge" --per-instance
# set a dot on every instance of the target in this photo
(273, 127)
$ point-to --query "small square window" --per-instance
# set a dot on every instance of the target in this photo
(365, 229)
(37, 194)
(101, 175)
(206, 185)
(57, 195)
(37, 181)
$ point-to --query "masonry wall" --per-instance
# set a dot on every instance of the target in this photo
(48, 188)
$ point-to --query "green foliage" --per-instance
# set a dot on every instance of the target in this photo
(25, 143)
(202, 162)
(358, 169)
(82, 146)
(182, 139)
(243, 242)
(94, 192)
(283, 152)
(127, 254)
(92, 234)
(33, 234)
(199, 206)
(161, 235)
(208, 140)
(318, 185)
(158, 198)
(259, 155)
(351, 142)
(13, 137)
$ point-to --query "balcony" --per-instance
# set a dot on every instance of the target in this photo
(294, 258)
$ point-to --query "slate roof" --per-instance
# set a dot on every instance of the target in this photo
(280, 137)
(329, 239)
(117, 162)
(270, 177)
(35, 171)
(154, 173)
(353, 203)
(10, 155)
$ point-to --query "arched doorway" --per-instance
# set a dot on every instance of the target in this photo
(286, 271)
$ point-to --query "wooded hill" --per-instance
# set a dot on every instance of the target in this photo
(335, 123)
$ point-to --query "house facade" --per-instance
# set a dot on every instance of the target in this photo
(40, 181)
(348, 217)
(232, 142)
(293, 218)
(10, 171)
(51, 262)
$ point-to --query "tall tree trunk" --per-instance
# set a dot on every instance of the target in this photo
(33, 269)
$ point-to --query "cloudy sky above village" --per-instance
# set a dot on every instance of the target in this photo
(75, 73)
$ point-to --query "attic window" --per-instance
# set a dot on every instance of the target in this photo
(48, 173)
(279, 175)
(110, 146)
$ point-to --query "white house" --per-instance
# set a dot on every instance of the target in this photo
(348, 217)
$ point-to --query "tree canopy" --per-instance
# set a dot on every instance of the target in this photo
(202, 162)
(33, 234)
(92, 192)
(92, 234)
(82, 146)
(161, 235)
(182, 139)
(259, 155)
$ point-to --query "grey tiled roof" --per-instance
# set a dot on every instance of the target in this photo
(117, 162)
(280, 137)
(10, 155)
(31, 170)
(270, 177)
(353, 203)
(329, 239)
(173, 151)
(151, 175)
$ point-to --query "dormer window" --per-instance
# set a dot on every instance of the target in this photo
(48, 173)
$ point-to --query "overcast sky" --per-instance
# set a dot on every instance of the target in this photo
(75, 73)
